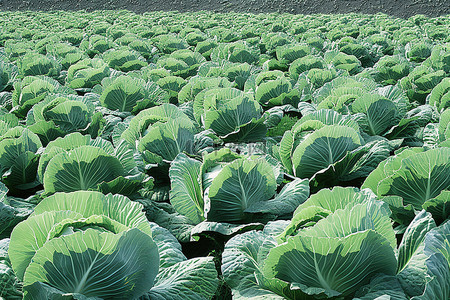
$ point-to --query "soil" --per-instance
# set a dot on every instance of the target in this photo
(398, 8)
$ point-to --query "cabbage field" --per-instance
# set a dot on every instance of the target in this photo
(175, 156)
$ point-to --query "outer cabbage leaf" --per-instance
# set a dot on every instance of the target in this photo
(19, 158)
(168, 247)
(139, 125)
(239, 185)
(32, 64)
(186, 194)
(286, 201)
(355, 165)
(437, 248)
(94, 264)
(420, 177)
(86, 73)
(82, 168)
(62, 213)
(390, 69)
(380, 113)
(420, 82)
(322, 204)
(411, 270)
(440, 95)
(241, 269)
(439, 206)
(382, 287)
(308, 123)
(386, 167)
(413, 238)
(279, 91)
(164, 141)
(192, 279)
(343, 85)
(323, 148)
(32, 90)
(87, 203)
(355, 217)
(8, 73)
(127, 94)
(314, 264)
(12, 211)
(231, 114)
(58, 115)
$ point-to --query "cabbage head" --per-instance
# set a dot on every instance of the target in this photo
(416, 178)
(87, 73)
(440, 95)
(96, 44)
(33, 64)
(328, 149)
(228, 188)
(129, 94)
(32, 90)
(124, 59)
(272, 88)
(305, 63)
(420, 82)
(19, 158)
(301, 258)
(77, 162)
(58, 115)
(78, 238)
(237, 52)
(232, 114)
(8, 73)
(390, 69)
(418, 51)
(160, 133)
(183, 63)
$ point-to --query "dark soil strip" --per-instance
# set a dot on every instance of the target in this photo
(399, 8)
